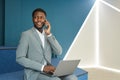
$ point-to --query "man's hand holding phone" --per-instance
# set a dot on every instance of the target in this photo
(48, 27)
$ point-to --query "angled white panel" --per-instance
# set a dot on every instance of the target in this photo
(83, 46)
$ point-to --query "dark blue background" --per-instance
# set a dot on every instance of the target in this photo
(65, 16)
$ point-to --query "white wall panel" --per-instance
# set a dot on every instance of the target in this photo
(109, 37)
(83, 46)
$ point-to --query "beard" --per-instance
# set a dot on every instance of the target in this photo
(39, 28)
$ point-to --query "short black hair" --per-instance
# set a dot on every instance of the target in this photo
(40, 10)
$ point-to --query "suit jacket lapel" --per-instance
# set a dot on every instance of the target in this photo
(37, 37)
(45, 44)
(40, 42)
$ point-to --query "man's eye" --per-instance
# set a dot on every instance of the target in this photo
(39, 17)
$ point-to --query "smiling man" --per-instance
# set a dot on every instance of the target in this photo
(36, 47)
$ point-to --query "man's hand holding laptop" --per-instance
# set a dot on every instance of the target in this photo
(49, 69)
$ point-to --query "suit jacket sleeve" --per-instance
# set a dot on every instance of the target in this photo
(56, 48)
(21, 54)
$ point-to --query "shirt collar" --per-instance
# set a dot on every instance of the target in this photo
(40, 32)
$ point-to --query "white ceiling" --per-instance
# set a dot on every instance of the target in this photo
(115, 3)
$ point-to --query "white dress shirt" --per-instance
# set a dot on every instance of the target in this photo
(42, 38)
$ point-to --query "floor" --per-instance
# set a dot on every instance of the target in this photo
(102, 74)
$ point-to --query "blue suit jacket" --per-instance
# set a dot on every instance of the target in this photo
(31, 54)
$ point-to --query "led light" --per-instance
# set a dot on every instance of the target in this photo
(110, 69)
(110, 5)
(97, 33)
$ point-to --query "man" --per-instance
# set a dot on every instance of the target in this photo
(35, 48)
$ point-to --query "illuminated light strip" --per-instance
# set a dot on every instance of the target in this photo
(115, 8)
(97, 34)
(101, 67)
(110, 69)
(79, 31)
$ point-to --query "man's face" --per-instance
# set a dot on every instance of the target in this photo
(38, 19)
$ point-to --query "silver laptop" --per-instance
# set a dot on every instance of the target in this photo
(66, 67)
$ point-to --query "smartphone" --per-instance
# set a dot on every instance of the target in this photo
(44, 26)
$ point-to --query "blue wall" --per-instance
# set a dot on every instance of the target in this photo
(65, 16)
(2, 5)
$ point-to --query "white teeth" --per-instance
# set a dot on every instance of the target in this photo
(39, 23)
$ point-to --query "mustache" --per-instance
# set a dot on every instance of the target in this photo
(39, 28)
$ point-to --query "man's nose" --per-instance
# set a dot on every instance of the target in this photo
(39, 19)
